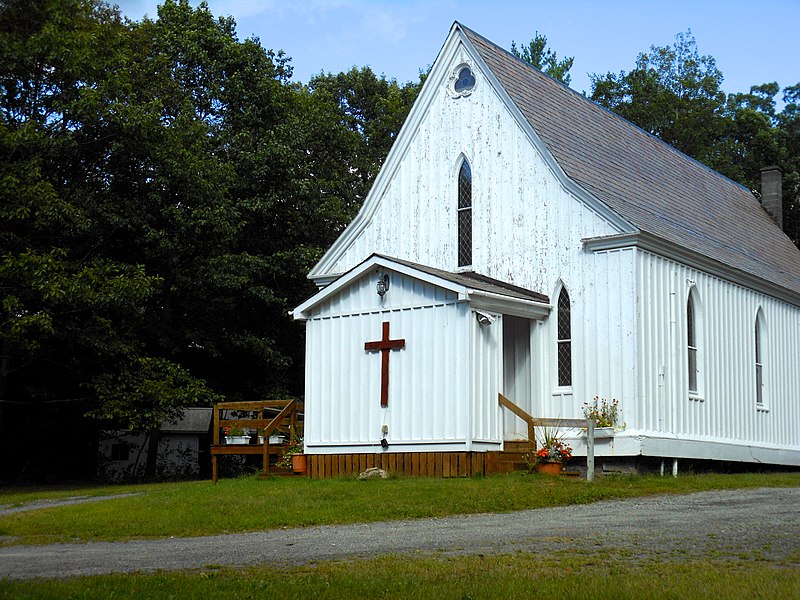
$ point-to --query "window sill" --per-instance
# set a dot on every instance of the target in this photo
(762, 408)
(563, 391)
(696, 398)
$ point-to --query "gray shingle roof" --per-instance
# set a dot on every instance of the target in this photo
(195, 420)
(653, 186)
(475, 281)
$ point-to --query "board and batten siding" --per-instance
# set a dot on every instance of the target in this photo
(486, 375)
(429, 383)
(603, 337)
(725, 409)
(527, 230)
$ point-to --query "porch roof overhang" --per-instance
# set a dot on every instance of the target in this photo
(481, 292)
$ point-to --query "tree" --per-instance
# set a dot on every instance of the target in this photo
(370, 110)
(76, 294)
(537, 54)
(673, 93)
(164, 191)
(788, 133)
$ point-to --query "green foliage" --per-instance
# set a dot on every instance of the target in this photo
(164, 189)
(675, 94)
(371, 110)
(540, 56)
(148, 390)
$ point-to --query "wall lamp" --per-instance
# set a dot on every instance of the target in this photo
(484, 318)
(383, 285)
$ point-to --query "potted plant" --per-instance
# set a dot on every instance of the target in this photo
(552, 454)
(605, 415)
(293, 457)
(235, 434)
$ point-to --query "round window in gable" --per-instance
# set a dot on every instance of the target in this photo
(465, 81)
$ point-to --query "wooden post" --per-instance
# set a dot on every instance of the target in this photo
(590, 450)
(214, 442)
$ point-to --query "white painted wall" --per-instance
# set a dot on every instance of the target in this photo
(725, 410)
(429, 384)
(527, 230)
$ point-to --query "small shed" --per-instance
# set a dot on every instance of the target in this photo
(408, 358)
(182, 449)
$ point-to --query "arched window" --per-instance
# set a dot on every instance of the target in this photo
(464, 215)
(759, 344)
(564, 339)
(691, 335)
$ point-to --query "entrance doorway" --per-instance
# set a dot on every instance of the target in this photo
(517, 374)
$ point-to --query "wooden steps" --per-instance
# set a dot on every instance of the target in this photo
(515, 456)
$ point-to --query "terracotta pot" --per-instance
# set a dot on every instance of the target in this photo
(549, 468)
(299, 463)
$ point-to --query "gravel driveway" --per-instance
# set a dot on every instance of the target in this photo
(764, 523)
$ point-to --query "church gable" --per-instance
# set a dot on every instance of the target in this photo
(521, 216)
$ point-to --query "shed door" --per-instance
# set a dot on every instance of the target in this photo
(517, 373)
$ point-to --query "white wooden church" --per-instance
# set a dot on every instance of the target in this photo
(522, 240)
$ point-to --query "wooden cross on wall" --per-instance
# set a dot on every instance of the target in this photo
(385, 345)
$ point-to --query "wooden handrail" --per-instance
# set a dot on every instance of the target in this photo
(540, 422)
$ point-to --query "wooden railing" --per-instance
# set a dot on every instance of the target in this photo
(533, 422)
(272, 416)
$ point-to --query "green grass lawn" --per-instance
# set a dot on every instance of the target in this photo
(520, 575)
(249, 504)
(245, 504)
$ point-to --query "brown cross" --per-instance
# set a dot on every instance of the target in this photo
(384, 345)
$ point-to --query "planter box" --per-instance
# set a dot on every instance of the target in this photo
(604, 432)
(237, 439)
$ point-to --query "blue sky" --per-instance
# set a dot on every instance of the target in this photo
(753, 41)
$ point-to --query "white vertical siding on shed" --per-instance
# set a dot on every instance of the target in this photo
(725, 409)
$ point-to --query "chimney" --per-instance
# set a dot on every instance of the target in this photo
(772, 193)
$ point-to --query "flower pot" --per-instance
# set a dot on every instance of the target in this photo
(549, 468)
(299, 463)
(237, 439)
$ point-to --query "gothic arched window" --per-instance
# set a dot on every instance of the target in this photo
(464, 215)
(564, 339)
(759, 347)
(691, 336)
